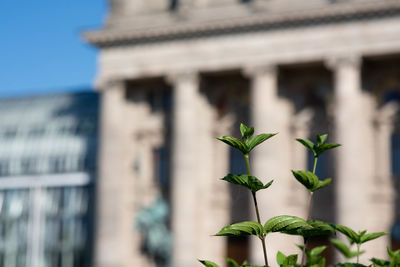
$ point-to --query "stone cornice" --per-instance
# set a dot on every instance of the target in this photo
(255, 22)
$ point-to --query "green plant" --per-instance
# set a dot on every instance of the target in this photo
(286, 224)
(314, 259)
(394, 259)
(354, 238)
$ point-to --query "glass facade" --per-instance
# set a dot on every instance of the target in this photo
(45, 227)
(48, 148)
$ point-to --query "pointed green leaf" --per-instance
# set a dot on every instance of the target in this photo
(258, 139)
(290, 260)
(371, 236)
(307, 143)
(242, 229)
(208, 263)
(361, 233)
(349, 233)
(390, 252)
(324, 183)
(280, 258)
(318, 250)
(324, 147)
(307, 178)
(243, 130)
(285, 224)
(234, 142)
(394, 258)
(246, 132)
(380, 262)
(318, 228)
(232, 262)
(342, 248)
(321, 139)
(313, 257)
(248, 181)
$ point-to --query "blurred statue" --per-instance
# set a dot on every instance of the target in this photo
(157, 239)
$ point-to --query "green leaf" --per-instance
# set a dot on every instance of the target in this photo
(321, 139)
(318, 228)
(234, 142)
(290, 260)
(232, 262)
(318, 250)
(324, 183)
(361, 233)
(320, 147)
(280, 257)
(307, 143)
(349, 233)
(208, 263)
(323, 147)
(394, 257)
(380, 262)
(285, 224)
(258, 139)
(320, 262)
(390, 252)
(313, 257)
(242, 229)
(371, 236)
(307, 178)
(343, 248)
(246, 132)
(250, 182)
(286, 261)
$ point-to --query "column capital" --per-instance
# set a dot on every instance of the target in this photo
(386, 115)
(191, 76)
(303, 119)
(259, 69)
(110, 83)
(333, 62)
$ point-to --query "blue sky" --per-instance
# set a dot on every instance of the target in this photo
(41, 48)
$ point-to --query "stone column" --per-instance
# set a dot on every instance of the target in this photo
(301, 125)
(354, 159)
(271, 160)
(184, 166)
(383, 193)
(113, 246)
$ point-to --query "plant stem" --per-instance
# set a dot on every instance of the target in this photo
(247, 163)
(358, 253)
(262, 237)
(303, 258)
(256, 206)
(257, 213)
(315, 164)
(308, 215)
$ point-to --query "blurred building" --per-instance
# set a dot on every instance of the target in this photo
(48, 151)
(175, 74)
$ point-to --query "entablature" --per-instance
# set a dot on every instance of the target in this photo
(230, 19)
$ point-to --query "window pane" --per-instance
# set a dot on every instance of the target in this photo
(65, 231)
(14, 221)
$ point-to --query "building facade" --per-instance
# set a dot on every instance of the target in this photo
(173, 75)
